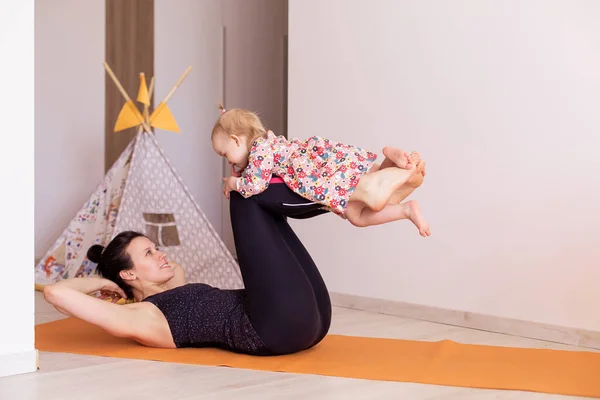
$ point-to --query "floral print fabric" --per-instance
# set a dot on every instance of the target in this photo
(317, 169)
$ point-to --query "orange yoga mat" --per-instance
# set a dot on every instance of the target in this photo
(439, 363)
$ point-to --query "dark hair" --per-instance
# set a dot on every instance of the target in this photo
(114, 258)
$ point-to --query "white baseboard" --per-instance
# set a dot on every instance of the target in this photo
(514, 327)
(18, 363)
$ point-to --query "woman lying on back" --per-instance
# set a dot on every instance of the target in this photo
(283, 308)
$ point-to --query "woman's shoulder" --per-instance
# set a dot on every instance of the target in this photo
(144, 308)
(152, 327)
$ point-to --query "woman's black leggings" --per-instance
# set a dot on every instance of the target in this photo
(287, 300)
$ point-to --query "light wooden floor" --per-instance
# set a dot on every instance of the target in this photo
(64, 376)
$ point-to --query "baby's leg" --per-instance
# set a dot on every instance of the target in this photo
(361, 216)
(375, 188)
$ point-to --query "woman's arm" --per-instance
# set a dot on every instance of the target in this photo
(71, 297)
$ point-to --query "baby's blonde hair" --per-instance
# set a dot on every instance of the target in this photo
(239, 122)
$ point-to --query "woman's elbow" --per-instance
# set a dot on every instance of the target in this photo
(50, 293)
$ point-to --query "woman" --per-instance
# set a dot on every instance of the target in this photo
(283, 308)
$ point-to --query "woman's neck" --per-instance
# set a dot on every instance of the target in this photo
(143, 291)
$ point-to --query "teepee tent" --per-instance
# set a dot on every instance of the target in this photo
(143, 192)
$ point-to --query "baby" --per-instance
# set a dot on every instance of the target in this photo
(343, 178)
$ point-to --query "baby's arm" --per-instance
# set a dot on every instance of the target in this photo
(255, 178)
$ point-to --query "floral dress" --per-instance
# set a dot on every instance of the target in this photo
(317, 169)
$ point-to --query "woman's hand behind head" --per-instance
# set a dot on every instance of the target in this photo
(111, 290)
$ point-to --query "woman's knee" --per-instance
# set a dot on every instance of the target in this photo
(287, 337)
(291, 329)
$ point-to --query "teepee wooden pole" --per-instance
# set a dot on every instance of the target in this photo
(146, 107)
(123, 92)
(116, 81)
(151, 88)
(185, 73)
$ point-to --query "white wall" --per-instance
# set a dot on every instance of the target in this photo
(502, 99)
(17, 353)
(69, 112)
(190, 34)
(254, 68)
(254, 58)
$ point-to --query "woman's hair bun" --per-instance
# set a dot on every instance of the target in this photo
(94, 253)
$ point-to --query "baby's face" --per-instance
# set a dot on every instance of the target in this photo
(232, 148)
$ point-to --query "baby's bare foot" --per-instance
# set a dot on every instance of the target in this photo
(413, 212)
(415, 159)
(398, 157)
(377, 188)
(417, 179)
(411, 184)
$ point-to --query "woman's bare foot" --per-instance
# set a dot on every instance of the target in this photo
(413, 212)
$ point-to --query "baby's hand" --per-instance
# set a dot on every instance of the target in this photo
(229, 185)
(234, 172)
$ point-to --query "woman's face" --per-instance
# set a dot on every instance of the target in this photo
(149, 263)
